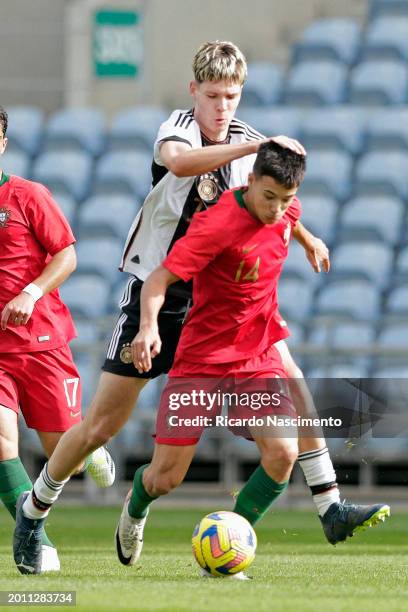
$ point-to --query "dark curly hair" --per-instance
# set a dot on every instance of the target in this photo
(3, 120)
(285, 166)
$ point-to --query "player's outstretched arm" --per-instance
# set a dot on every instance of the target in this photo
(182, 160)
(147, 344)
(18, 311)
(317, 251)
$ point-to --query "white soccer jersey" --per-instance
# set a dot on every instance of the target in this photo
(172, 200)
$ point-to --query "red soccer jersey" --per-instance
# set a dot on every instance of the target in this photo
(236, 261)
(32, 228)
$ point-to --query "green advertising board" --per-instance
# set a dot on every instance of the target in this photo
(117, 43)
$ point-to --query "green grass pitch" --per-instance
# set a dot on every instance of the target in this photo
(295, 569)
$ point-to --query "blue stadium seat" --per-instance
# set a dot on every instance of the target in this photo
(136, 127)
(397, 301)
(329, 39)
(295, 298)
(379, 82)
(374, 217)
(107, 215)
(329, 173)
(338, 127)
(349, 298)
(100, 256)
(67, 171)
(25, 129)
(347, 335)
(297, 334)
(370, 260)
(263, 85)
(273, 121)
(124, 172)
(86, 295)
(382, 172)
(388, 129)
(350, 369)
(68, 207)
(77, 129)
(16, 162)
(388, 7)
(319, 82)
(394, 335)
(387, 38)
(297, 266)
(401, 266)
(319, 215)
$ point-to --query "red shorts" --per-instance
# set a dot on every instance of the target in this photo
(45, 385)
(260, 374)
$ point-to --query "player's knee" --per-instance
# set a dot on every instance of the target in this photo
(97, 435)
(8, 448)
(283, 455)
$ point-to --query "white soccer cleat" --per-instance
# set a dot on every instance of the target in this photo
(129, 536)
(237, 576)
(49, 559)
(102, 468)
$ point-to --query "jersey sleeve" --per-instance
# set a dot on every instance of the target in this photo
(48, 222)
(179, 127)
(205, 239)
(294, 211)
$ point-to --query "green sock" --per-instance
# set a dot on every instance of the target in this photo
(13, 481)
(140, 499)
(257, 495)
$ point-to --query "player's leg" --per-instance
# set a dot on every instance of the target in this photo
(339, 520)
(14, 479)
(166, 471)
(271, 477)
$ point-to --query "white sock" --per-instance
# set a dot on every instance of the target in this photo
(320, 477)
(45, 492)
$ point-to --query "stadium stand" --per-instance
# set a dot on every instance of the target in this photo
(263, 86)
(67, 171)
(340, 128)
(25, 131)
(329, 39)
(388, 129)
(107, 215)
(16, 162)
(316, 83)
(386, 39)
(356, 223)
(76, 128)
(123, 173)
(382, 172)
(379, 83)
(136, 128)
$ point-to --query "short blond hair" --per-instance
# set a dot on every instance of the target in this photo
(219, 61)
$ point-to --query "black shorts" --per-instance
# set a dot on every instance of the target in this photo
(171, 317)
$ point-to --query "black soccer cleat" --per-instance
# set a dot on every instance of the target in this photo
(342, 520)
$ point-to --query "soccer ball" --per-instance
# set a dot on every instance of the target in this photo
(224, 543)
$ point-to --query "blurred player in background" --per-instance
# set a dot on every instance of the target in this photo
(37, 373)
(198, 154)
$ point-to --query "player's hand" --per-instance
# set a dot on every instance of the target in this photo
(18, 311)
(145, 345)
(289, 143)
(318, 254)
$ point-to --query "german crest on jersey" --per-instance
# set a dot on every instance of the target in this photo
(4, 216)
(208, 188)
(126, 353)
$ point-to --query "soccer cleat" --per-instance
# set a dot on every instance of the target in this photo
(129, 535)
(49, 561)
(102, 468)
(237, 576)
(342, 520)
(27, 540)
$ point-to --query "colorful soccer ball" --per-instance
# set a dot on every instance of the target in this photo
(224, 543)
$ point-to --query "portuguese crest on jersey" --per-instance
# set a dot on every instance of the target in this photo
(4, 216)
